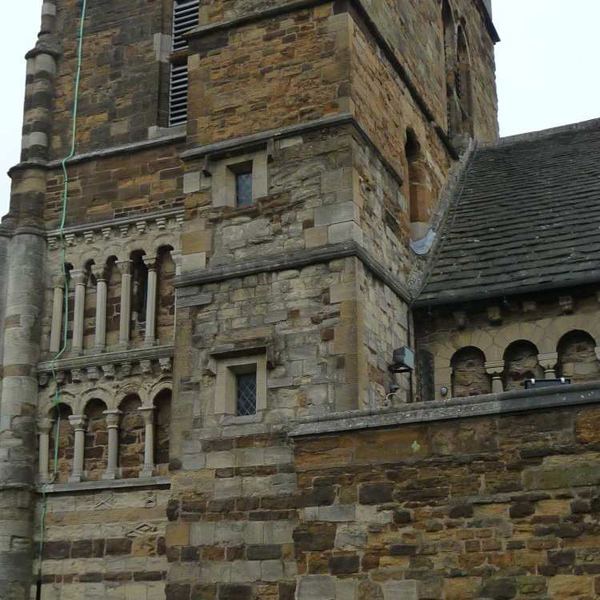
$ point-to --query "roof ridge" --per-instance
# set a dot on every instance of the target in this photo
(532, 136)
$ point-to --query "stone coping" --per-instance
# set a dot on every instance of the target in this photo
(459, 408)
(95, 360)
(112, 484)
(295, 260)
(153, 142)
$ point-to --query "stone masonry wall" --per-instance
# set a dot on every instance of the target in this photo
(297, 64)
(414, 32)
(105, 544)
(120, 83)
(304, 318)
(118, 186)
(499, 507)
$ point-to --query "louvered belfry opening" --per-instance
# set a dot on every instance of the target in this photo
(185, 18)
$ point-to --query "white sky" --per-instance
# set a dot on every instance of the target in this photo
(547, 67)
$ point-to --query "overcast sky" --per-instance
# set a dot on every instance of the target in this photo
(547, 67)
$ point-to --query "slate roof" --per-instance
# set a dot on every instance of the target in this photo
(525, 217)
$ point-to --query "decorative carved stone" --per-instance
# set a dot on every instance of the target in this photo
(106, 233)
(566, 304)
(165, 365)
(93, 373)
(60, 377)
(126, 369)
(460, 318)
(88, 236)
(43, 379)
(146, 366)
(77, 375)
(161, 223)
(109, 371)
(494, 314)
(529, 306)
(141, 227)
(70, 239)
(124, 229)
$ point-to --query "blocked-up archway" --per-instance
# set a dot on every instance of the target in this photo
(577, 358)
(64, 453)
(131, 437)
(469, 376)
(521, 363)
(96, 440)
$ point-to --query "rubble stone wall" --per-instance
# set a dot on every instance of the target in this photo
(499, 507)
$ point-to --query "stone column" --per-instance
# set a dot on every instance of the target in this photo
(21, 306)
(79, 277)
(57, 315)
(78, 422)
(112, 424)
(125, 267)
(151, 262)
(100, 274)
(548, 362)
(44, 429)
(148, 414)
(495, 368)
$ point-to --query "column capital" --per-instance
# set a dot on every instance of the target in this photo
(58, 281)
(100, 272)
(79, 276)
(548, 360)
(151, 261)
(124, 266)
(45, 425)
(112, 417)
(494, 367)
(147, 413)
(78, 422)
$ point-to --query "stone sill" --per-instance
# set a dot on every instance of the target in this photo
(95, 360)
(458, 408)
(114, 484)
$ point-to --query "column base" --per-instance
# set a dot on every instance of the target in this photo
(149, 343)
(147, 472)
(75, 478)
(109, 476)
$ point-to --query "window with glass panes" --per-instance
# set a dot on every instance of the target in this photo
(246, 394)
(243, 188)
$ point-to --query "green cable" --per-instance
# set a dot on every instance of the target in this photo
(65, 198)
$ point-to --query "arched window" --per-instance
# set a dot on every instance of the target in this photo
(165, 318)
(96, 440)
(66, 442)
(139, 296)
(162, 420)
(521, 363)
(131, 437)
(113, 302)
(450, 60)
(577, 358)
(416, 188)
(464, 86)
(469, 375)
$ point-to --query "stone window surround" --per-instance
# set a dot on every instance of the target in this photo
(224, 177)
(226, 385)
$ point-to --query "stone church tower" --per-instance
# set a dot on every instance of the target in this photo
(226, 239)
